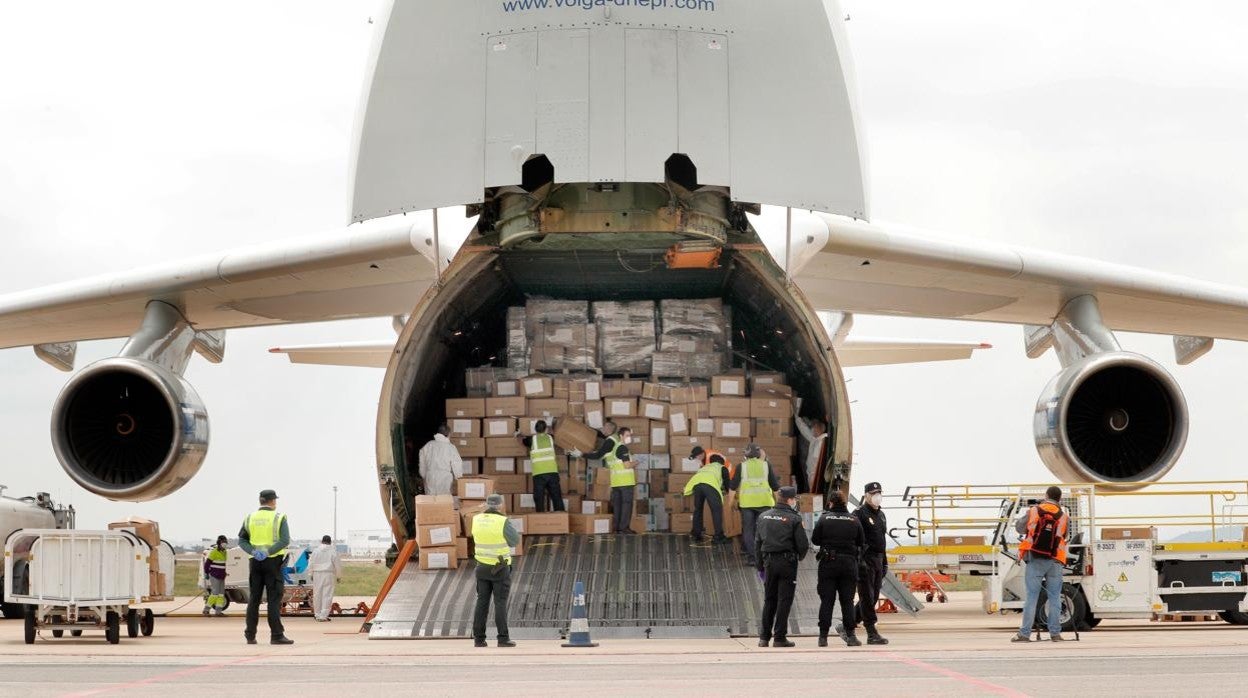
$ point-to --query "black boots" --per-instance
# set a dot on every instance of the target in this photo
(823, 639)
(874, 637)
(851, 640)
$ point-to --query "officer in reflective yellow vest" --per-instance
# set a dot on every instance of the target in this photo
(614, 455)
(707, 488)
(756, 483)
(493, 537)
(264, 536)
(545, 469)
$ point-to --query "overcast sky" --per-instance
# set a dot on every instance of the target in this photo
(133, 133)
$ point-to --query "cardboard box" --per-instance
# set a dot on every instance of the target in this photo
(435, 509)
(657, 479)
(677, 503)
(638, 524)
(770, 407)
(732, 449)
(600, 488)
(506, 388)
(777, 447)
(620, 407)
(658, 439)
(653, 410)
(464, 426)
(730, 407)
(461, 549)
(518, 549)
(960, 540)
(734, 428)
(810, 503)
(511, 484)
(773, 428)
(146, 530)
(561, 388)
(591, 506)
(655, 391)
(517, 522)
(676, 482)
(471, 466)
(584, 391)
(595, 416)
(570, 434)
(783, 392)
(690, 393)
(1131, 533)
(443, 558)
(549, 524)
(728, 385)
(548, 409)
(467, 511)
(761, 378)
(621, 388)
(703, 426)
(680, 446)
(522, 503)
(469, 446)
(506, 406)
(537, 387)
(498, 426)
(679, 420)
(681, 523)
(465, 407)
(505, 447)
(474, 487)
(437, 535)
(572, 502)
(501, 466)
(589, 523)
(732, 521)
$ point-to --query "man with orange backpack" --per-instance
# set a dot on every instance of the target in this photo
(1043, 550)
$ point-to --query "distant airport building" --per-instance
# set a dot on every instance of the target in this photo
(369, 543)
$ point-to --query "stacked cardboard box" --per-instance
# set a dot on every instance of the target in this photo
(626, 336)
(148, 531)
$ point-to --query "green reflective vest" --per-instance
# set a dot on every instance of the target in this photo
(755, 491)
(542, 454)
(621, 474)
(488, 540)
(263, 527)
(711, 474)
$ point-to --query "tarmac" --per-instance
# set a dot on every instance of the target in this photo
(951, 649)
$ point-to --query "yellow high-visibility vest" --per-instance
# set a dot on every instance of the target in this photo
(621, 474)
(542, 454)
(263, 527)
(711, 474)
(755, 490)
(488, 541)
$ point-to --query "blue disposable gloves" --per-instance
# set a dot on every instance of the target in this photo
(259, 555)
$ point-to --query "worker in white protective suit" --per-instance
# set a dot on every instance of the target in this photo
(326, 570)
(440, 464)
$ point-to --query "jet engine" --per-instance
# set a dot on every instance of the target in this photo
(1115, 418)
(129, 429)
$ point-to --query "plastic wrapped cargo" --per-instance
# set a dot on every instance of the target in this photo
(517, 341)
(684, 366)
(479, 381)
(558, 347)
(693, 325)
(545, 311)
(626, 336)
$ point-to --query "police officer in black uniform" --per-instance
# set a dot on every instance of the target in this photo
(840, 539)
(874, 563)
(779, 544)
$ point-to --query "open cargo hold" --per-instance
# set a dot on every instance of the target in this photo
(736, 310)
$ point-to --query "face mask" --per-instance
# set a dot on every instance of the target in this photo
(875, 500)
(628, 440)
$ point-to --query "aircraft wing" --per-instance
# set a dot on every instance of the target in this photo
(373, 269)
(365, 354)
(892, 270)
(866, 351)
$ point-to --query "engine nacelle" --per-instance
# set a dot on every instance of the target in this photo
(129, 430)
(1115, 418)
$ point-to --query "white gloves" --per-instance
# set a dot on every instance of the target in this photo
(574, 453)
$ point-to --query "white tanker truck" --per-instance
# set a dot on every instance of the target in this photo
(38, 511)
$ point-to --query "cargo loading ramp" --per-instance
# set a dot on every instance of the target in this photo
(651, 585)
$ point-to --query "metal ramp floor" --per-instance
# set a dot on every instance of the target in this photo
(653, 585)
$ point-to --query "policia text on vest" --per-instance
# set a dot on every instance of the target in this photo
(264, 536)
(493, 537)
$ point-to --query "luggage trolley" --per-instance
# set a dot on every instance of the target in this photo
(79, 580)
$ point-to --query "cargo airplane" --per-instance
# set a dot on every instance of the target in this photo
(569, 145)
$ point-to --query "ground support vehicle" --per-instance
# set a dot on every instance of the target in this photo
(1118, 565)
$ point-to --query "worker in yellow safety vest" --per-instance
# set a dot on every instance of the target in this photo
(755, 483)
(493, 537)
(707, 487)
(264, 536)
(614, 455)
(541, 447)
(214, 577)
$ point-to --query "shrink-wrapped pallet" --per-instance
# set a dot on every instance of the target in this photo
(626, 336)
